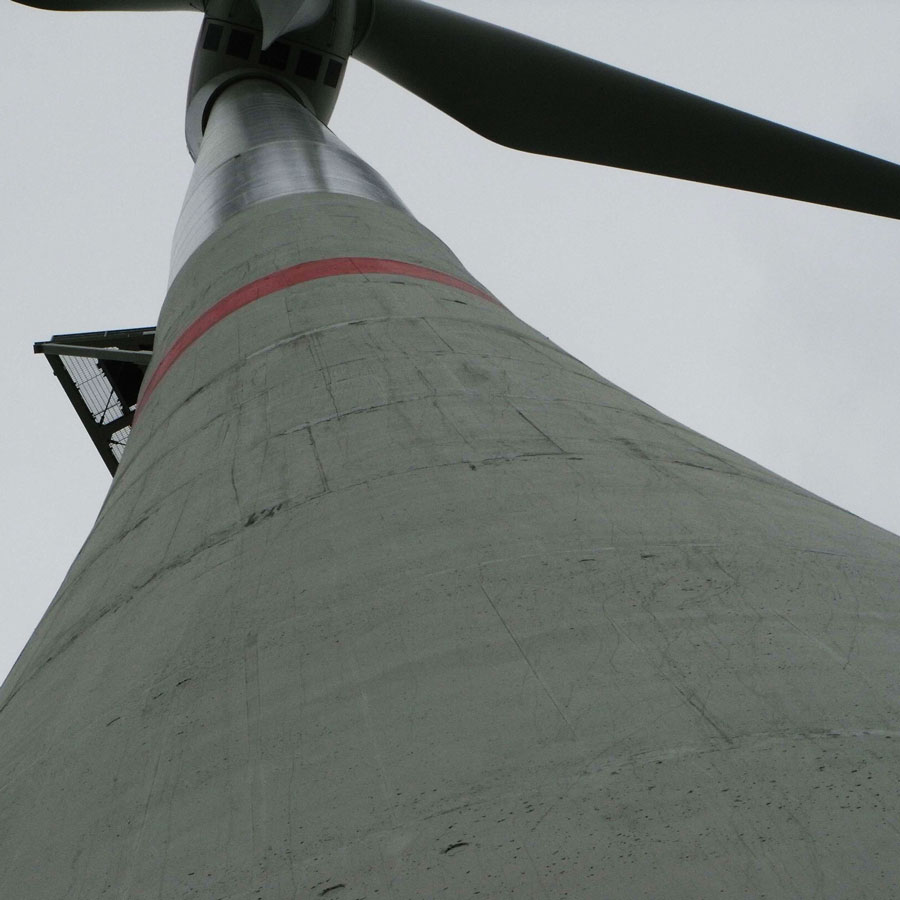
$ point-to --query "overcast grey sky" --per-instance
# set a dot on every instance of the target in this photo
(771, 326)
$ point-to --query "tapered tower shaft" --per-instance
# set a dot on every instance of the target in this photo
(392, 597)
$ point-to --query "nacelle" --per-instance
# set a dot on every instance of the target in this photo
(308, 62)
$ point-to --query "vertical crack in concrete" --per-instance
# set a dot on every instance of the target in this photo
(528, 662)
(252, 707)
(312, 442)
(373, 739)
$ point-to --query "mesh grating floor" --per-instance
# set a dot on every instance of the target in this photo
(99, 395)
(101, 373)
(118, 440)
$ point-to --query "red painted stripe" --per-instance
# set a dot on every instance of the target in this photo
(285, 278)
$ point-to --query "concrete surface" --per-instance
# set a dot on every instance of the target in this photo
(391, 597)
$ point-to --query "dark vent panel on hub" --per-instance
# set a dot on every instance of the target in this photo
(309, 64)
(240, 43)
(276, 56)
(333, 73)
(213, 36)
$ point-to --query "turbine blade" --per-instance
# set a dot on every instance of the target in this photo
(113, 5)
(536, 97)
(278, 16)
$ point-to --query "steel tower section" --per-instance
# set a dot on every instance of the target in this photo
(393, 597)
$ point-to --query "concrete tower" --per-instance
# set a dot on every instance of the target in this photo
(392, 597)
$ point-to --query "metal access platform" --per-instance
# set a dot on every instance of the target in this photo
(101, 373)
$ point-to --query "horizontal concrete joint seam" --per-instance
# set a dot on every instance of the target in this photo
(289, 277)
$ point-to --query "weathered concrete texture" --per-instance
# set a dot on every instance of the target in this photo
(391, 597)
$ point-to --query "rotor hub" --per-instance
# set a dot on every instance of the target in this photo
(309, 62)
